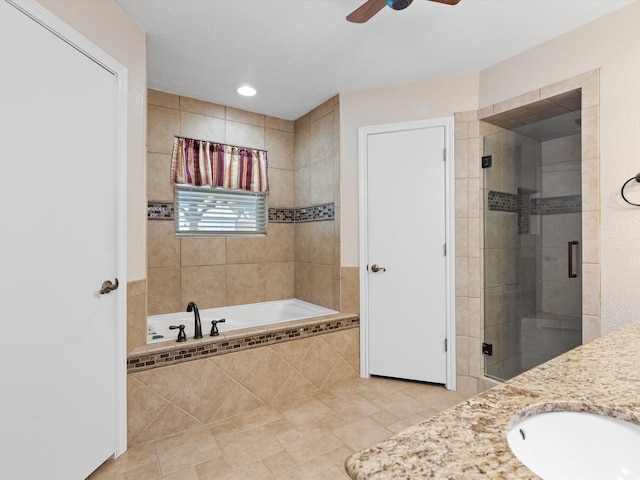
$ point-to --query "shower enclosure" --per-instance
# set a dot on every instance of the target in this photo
(532, 237)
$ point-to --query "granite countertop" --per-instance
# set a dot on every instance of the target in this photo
(469, 441)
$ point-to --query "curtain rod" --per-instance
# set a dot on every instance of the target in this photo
(221, 143)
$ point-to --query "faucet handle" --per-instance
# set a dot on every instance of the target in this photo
(182, 337)
(214, 327)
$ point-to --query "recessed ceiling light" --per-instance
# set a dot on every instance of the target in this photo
(247, 91)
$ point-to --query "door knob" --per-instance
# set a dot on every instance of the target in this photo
(107, 286)
(377, 268)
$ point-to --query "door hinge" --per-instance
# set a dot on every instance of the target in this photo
(445, 249)
(487, 348)
(446, 345)
(444, 154)
(486, 161)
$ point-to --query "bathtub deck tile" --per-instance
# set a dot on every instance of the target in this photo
(165, 353)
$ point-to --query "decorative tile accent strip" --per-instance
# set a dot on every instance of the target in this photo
(314, 213)
(503, 202)
(281, 215)
(148, 357)
(160, 210)
(556, 205)
(524, 216)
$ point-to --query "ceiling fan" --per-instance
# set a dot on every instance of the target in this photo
(369, 8)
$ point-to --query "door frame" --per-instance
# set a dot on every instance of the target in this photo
(56, 26)
(363, 134)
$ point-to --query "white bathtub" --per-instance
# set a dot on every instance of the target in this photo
(237, 316)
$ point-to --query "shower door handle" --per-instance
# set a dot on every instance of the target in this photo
(571, 244)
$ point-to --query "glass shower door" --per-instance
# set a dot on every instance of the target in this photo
(532, 240)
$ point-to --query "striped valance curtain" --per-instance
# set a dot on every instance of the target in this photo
(200, 163)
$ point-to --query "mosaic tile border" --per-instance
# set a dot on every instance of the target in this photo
(142, 360)
(556, 205)
(314, 213)
(166, 211)
(160, 210)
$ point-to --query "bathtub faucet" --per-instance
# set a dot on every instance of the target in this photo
(192, 307)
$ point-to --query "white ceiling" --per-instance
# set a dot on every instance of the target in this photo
(299, 53)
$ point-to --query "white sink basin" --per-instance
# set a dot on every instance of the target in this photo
(577, 446)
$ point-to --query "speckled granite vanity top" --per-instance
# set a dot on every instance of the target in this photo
(469, 441)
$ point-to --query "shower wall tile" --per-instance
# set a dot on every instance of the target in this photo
(462, 237)
(322, 181)
(136, 314)
(196, 251)
(350, 289)
(246, 250)
(243, 116)
(281, 191)
(280, 145)
(163, 290)
(158, 188)
(462, 316)
(162, 99)
(163, 247)
(162, 125)
(590, 185)
(202, 127)
(462, 153)
(203, 108)
(280, 124)
(591, 248)
(205, 285)
(246, 284)
(241, 134)
(279, 280)
(280, 242)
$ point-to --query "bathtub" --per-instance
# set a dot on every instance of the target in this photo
(236, 317)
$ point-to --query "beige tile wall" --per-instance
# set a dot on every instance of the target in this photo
(317, 181)
(136, 314)
(177, 398)
(217, 271)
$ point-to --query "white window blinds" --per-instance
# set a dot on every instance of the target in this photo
(208, 211)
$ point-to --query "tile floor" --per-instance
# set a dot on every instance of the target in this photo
(307, 438)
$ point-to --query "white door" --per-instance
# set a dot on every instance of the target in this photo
(406, 235)
(59, 243)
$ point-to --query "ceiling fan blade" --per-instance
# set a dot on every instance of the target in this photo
(367, 10)
(447, 2)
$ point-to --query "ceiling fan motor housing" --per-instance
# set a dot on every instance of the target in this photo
(399, 4)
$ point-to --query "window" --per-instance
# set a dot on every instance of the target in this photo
(207, 211)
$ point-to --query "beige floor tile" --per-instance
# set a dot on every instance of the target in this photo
(362, 433)
(212, 469)
(397, 427)
(257, 417)
(251, 445)
(186, 450)
(147, 472)
(353, 406)
(252, 471)
(307, 442)
(132, 459)
(317, 469)
(306, 438)
(186, 474)
(399, 404)
(384, 418)
(279, 462)
(339, 455)
(305, 411)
